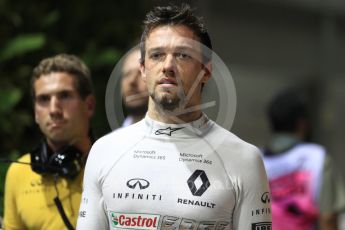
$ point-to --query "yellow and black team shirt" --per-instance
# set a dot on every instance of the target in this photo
(29, 198)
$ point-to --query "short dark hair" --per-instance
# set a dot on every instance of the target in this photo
(287, 109)
(174, 15)
(66, 63)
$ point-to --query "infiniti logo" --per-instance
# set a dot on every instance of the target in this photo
(265, 198)
(205, 182)
(142, 183)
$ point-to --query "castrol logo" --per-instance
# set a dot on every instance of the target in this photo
(134, 220)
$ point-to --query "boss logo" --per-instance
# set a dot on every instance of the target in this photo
(205, 182)
(138, 183)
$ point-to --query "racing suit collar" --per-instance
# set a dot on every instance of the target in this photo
(186, 130)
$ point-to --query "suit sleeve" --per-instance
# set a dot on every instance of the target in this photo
(12, 220)
(92, 213)
(253, 209)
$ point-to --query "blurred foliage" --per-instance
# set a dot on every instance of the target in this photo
(99, 32)
(22, 44)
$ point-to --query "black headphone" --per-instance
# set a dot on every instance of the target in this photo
(67, 162)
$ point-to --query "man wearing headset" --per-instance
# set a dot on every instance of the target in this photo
(46, 195)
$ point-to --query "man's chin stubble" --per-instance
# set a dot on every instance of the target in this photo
(167, 103)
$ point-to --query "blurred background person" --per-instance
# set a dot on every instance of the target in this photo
(47, 194)
(133, 89)
(306, 189)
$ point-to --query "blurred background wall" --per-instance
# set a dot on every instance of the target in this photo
(272, 45)
(267, 45)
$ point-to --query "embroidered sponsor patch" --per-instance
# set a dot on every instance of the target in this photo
(262, 226)
(134, 220)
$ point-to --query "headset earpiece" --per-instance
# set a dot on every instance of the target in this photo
(39, 158)
(67, 162)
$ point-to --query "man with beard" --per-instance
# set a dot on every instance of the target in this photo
(175, 169)
(46, 195)
(133, 89)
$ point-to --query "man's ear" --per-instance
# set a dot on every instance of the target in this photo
(90, 104)
(208, 72)
(142, 71)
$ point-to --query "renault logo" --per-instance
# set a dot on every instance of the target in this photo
(141, 183)
(205, 182)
